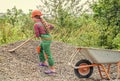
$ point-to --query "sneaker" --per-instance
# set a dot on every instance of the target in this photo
(50, 72)
(43, 65)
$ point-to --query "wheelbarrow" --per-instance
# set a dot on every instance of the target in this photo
(102, 58)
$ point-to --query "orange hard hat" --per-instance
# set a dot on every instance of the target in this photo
(36, 12)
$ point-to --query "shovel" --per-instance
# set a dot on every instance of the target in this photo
(12, 50)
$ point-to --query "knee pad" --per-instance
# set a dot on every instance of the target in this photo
(38, 49)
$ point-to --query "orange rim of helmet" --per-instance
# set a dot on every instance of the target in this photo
(36, 12)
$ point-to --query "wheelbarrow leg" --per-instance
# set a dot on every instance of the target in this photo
(108, 71)
(104, 70)
(118, 70)
(100, 71)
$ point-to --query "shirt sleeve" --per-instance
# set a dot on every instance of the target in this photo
(36, 30)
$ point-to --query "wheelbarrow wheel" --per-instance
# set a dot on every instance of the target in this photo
(85, 72)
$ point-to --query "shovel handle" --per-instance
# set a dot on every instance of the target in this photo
(21, 44)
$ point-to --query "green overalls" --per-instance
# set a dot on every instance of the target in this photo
(45, 49)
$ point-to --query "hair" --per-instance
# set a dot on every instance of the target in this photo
(43, 22)
(37, 16)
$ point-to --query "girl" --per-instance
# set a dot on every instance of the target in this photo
(41, 30)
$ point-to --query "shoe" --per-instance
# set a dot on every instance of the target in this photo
(43, 65)
(50, 72)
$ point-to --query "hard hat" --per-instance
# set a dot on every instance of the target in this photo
(36, 12)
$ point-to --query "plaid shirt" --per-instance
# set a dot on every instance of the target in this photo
(39, 29)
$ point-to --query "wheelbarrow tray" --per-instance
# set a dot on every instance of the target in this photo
(101, 56)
